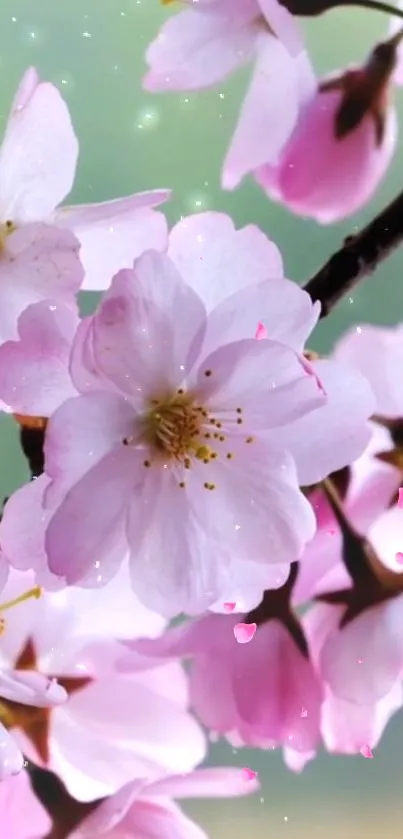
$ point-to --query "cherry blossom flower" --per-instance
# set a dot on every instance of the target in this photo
(28, 690)
(146, 809)
(251, 693)
(203, 45)
(22, 815)
(342, 144)
(203, 248)
(112, 728)
(38, 160)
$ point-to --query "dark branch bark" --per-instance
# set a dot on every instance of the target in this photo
(359, 256)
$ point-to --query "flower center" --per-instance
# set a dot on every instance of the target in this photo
(6, 229)
(178, 430)
(175, 428)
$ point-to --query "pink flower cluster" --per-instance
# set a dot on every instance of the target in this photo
(199, 461)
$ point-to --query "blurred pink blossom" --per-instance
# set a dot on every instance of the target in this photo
(254, 693)
(113, 727)
(203, 45)
(38, 160)
(341, 146)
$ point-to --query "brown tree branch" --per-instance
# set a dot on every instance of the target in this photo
(359, 256)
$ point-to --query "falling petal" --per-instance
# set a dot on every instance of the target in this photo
(229, 607)
(248, 774)
(366, 752)
(261, 332)
(399, 558)
(244, 632)
(400, 499)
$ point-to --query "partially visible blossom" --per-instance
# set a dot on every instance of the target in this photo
(146, 809)
(37, 262)
(377, 351)
(369, 488)
(342, 144)
(22, 815)
(113, 727)
(346, 727)
(38, 160)
(206, 43)
(263, 694)
(362, 660)
(34, 369)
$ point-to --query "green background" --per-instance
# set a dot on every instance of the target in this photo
(130, 141)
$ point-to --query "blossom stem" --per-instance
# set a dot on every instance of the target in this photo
(312, 8)
(33, 592)
(359, 256)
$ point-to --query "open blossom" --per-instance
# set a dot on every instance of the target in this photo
(146, 809)
(204, 44)
(111, 728)
(158, 399)
(22, 815)
(38, 160)
(265, 693)
(342, 144)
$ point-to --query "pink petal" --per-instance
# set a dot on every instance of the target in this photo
(114, 233)
(363, 345)
(236, 515)
(265, 378)
(11, 759)
(269, 113)
(31, 688)
(26, 89)
(338, 430)
(195, 50)
(248, 774)
(261, 332)
(400, 500)
(80, 434)
(283, 24)
(40, 263)
(366, 752)
(34, 374)
(362, 662)
(244, 632)
(187, 570)
(246, 582)
(149, 731)
(22, 532)
(39, 153)
(217, 260)
(220, 782)
(329, 179)
(399, 558)
(271, 682)
(96, 543)
(229, 607)
(23, 814)
(287, 313)
(138, 342)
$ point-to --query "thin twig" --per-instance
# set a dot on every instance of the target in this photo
(359, 256)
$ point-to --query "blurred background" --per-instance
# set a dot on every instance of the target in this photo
(131, 141)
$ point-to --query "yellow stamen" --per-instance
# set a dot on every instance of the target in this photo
(6, 229)
(33, 592)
